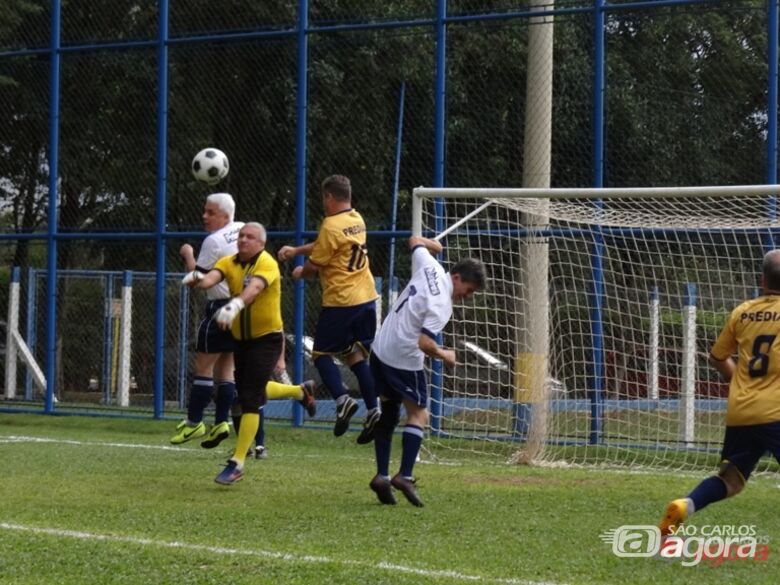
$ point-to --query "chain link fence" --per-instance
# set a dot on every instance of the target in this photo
(686, 101)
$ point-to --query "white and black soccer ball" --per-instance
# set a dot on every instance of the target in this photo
(210, 165)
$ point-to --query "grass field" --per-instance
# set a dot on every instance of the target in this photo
(99, 500)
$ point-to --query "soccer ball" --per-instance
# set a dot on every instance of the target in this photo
(210, 165)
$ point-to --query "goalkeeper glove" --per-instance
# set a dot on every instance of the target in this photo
(227, 313)
(192, 278)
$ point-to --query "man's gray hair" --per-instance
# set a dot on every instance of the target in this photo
(261, 235)
(225, 203)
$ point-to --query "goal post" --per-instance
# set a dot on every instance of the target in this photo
(631, 287)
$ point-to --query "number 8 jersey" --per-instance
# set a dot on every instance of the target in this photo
(340, 253)
(753, 330)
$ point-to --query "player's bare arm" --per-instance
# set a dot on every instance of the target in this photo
(432, 246)
(725, 368)
(197, 279)
(432, 349)
(308, 270)
(188, 256)
(289, 252)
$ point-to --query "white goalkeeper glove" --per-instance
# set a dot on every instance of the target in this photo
(227, 313)
(192, 278)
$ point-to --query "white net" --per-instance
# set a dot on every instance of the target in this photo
(590, 344)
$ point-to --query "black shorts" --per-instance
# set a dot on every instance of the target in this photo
(745, 445)
(255, 360)
(212, 339)
(339, 329)
(398, 385)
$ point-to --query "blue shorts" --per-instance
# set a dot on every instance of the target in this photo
(397, 385)
(745, 445)
(340, 329)
(212, 339)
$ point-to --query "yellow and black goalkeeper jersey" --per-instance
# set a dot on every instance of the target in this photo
(264, 314)
(340, 253)
(753, 330)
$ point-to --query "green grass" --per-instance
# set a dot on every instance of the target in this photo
(306, 515)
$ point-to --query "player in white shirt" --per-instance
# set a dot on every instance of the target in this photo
(214, 347)
(406, 336)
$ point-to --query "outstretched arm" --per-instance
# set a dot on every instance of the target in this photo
(289, 252)
(432, 246)
(196, 279)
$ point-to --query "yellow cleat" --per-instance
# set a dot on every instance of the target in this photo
(676, 514)
(185, 433)
(218, 433)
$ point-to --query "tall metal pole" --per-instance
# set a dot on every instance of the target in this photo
(300, 189)
(597, 260)
(440, 95)
(53, 215)
(162, 179)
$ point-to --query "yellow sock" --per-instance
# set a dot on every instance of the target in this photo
(250, 421)
(277, 391)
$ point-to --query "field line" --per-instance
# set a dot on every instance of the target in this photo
(286, 557)
(27, 439)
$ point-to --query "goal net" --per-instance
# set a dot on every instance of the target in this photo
(590, 344)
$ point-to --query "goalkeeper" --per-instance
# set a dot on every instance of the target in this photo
(406, 336)
(254, 317)
(753, 411)
(214, 347)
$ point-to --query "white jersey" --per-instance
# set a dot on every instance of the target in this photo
(218, 244)
(424, 307)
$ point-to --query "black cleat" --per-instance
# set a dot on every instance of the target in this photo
(343, 414)
(383, 490)
(369, 427)
(308, 402)
(408, 489)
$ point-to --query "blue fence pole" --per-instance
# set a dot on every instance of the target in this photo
(597, 268)
(300, 191)
(396, 181)
(440, 94)
(53, 215)
(162, 180)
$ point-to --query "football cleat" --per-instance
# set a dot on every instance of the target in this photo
(383, 490)
(218, 433)
(231, 474)
(186, 433)
(261, 452)
(369, 427)
(344, 412)
(407, 488)
(676, 513)
(308, 402)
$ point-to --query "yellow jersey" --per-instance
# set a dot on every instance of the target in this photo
(752, 331)
(342, 257)
(264, 314)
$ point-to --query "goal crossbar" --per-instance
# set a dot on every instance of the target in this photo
(605, 192)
